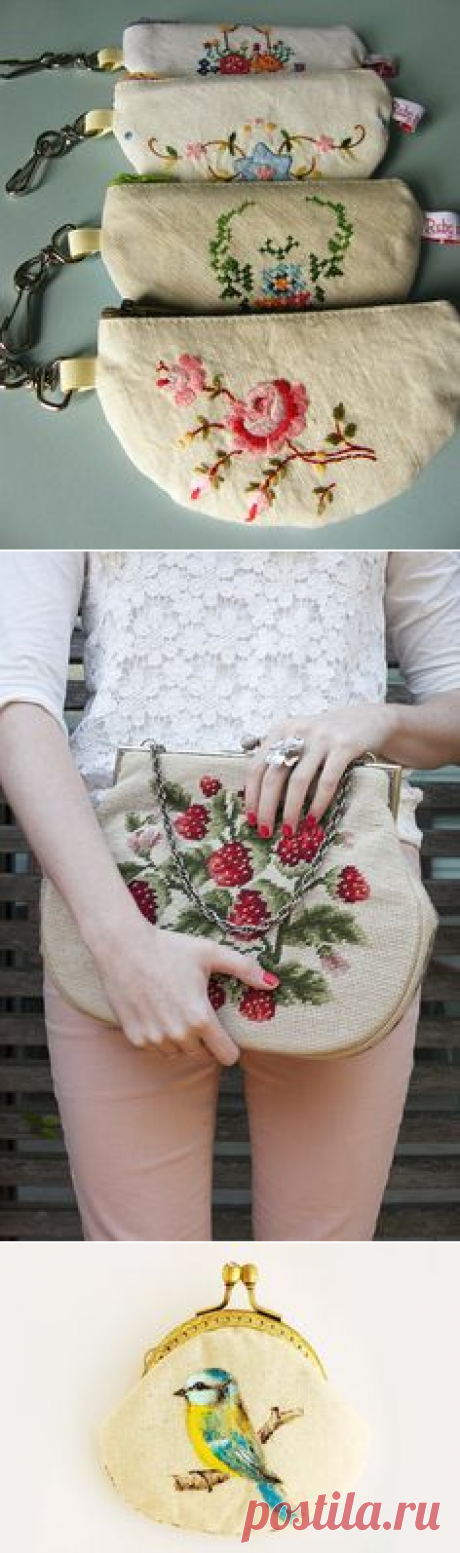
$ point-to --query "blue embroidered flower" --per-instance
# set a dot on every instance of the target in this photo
(263, 164)
(284, 280)
(204, 67)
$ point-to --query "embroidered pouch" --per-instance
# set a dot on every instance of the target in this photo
(182, 48)
(327, 124)
(260, 248)
(339, 897)
(285, 419)
(234, 1407)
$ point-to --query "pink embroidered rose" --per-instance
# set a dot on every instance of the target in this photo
(143, 841)
(324, 143)
(195, 150)
(270, 414)
(260, 504)
(335, 963)
(186, 377)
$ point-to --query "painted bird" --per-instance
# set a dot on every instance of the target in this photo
(222, 1434)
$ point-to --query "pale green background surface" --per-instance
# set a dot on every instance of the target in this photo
(64, 480)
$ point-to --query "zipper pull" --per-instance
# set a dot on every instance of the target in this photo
(99, 59)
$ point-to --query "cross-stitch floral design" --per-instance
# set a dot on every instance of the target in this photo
(225, 56)
(248, 879)
(284, 283)
(266, 422)
(260, 151)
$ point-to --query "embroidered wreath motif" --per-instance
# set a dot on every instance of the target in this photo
(283, 283)
(248, 878)
(267, 421)
(260, 151)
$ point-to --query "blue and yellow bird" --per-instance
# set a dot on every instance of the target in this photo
(222, 1434)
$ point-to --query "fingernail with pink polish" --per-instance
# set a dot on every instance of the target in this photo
(251, 818)
(270, 980)
(264, 832)
(287, 831)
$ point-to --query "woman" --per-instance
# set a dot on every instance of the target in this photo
(195, 649)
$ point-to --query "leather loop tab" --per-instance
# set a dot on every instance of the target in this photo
(99, 121)
(83, 241)
(110, 59)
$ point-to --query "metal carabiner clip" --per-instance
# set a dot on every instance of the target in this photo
(50, 144)
(49, 61)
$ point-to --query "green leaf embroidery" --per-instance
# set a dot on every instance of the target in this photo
(300, 984)
(176, 797)
(321, 926)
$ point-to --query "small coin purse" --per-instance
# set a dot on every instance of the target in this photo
(330, 124)
(278, 419)
(198, 48)
(262, 248)
(234, 1407)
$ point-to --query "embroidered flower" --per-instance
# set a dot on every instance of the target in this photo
(263, 165)
(142, 842)
(336, 963)
(286, 284)
(195, 151)
(186, 377)
(234, 64)
(265, 61)
(200, 486)
(270, 413)
(324, 143)
(261, 504)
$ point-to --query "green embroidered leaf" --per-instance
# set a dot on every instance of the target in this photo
(274, 896)
(130, 871)
(339, 412)
(177, 797)
(323, 925)
(191, 921)
(220, 900)
(171, 150)
(335, 438)
(344, 144)
(134, 822)
(196, 867)
(220, 809)
(300, 984)
(260, 851)
(351, 429)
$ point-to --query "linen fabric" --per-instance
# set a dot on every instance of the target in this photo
(144, 1444)
(177, 49)
(263, 248)
(283, 419)
(365, 898)
(330, 124)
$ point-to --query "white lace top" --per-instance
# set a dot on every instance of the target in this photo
(194, 648)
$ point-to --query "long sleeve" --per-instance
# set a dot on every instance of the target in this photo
(423, 618)
(40, 592)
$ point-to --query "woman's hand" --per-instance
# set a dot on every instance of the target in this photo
(157, 984)
(332, 739)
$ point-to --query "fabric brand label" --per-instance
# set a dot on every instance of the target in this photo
(441, 226)
(385, 65)
(407, 114)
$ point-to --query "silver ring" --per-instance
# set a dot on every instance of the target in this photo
(287, 752)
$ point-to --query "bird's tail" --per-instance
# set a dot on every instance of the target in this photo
(271, 1493)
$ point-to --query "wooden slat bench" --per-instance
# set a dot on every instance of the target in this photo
(422, 1200)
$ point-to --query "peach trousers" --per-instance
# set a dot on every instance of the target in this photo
(139, 1130)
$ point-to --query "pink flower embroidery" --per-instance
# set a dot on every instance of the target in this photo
(260, 504)
(270, 414)
(143, 841)
(324, 143)
(195, 151)
(186, 377)
(201, 485)
(335, 962)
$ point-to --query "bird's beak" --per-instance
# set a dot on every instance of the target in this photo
(180, 1393)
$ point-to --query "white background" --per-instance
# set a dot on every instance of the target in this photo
(76, 1320)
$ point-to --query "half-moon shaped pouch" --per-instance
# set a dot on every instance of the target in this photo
(262, 248)
(295, 419)
(329, 124)
(234, 1406)
(206, 49)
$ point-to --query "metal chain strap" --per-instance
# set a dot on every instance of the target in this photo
(30, 278)
(49, 61)
(337, 810)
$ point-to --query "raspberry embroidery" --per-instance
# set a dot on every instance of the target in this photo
(216, 993)
(230, 865)
(193, 824)
(145, 899)
(210, 786)
(352, 886)
(301, 848)
(249, 910)
(257, 1005)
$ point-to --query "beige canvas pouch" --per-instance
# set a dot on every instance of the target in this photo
(213, 48)
(255, 1378)
(328, 124)
(259, 248)
(361, 903)
(300, 419)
